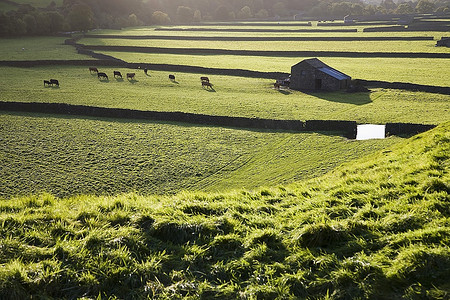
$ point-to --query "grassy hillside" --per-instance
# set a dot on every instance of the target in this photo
(377, 228)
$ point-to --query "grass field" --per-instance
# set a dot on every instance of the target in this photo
(150, 30)
(376, 228)
(37, 48)
(232, 96)
(67, 156)
(343, 46)
(414, 70)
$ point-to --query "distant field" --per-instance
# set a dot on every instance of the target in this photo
(413, 70)
(150, 30)
(72, 155)
(37, 48)
(232, 96)
(345, 46)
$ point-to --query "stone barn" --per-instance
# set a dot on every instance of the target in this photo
(312, 74)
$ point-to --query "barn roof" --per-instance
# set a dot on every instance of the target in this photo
(334, 73)
(321, 66)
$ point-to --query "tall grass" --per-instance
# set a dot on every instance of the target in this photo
(376, 228)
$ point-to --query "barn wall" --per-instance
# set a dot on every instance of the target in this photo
(303, 77)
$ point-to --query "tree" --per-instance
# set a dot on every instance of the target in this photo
(133, 21)
(30, 23)
(56, 21)
(197, 16)
(80, 17)
(245, 13)
(424, 7)
(222, 13)
(160, 18)
(404, 9)
(262, 14)
(279, 9)
(184, 14)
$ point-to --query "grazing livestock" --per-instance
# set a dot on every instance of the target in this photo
(54, 82)
(204, 79)
(172, 77)
(102, 75)
(146, 71)
(117, 73)
(130, 75)
(206, 84)
(93, 69)
(47, 82)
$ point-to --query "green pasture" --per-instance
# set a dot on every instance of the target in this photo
(376, 228)
(341, 46)
(75, 155)
(150, 30)
(230, 96)
(37, 48)
(412, 70)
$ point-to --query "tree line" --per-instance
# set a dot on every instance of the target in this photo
(82, 15)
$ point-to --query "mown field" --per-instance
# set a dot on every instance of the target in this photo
(231, 96)
(376, 228)
(65, 156)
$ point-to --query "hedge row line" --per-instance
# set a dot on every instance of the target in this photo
(404, 86)
(206, 51)
(347, 128)
(254, 30)
(263, 39)
(401, 28)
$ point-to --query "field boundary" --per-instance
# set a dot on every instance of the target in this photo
(262, 39)
(206, 51)
(347, 128)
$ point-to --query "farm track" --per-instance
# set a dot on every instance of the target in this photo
(206, 51)
(257, 39)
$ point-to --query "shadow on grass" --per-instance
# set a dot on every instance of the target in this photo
(360, 98)
(132, 81)
(119, 79)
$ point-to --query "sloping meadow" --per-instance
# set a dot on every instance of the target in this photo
(377, 228)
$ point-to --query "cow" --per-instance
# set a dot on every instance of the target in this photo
(102, 75)
(117, 73)
(172, 77)
(204, 79)
(206, 84)
(130, 75)
(47, 82)
(54, 82)
(146, 71)
(93, 69)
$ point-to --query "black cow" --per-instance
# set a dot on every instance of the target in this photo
(47, 82)
(102, 75)
(93, 69)
(172, 77)
(130, 75)
(54, 82)
(117, 73)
